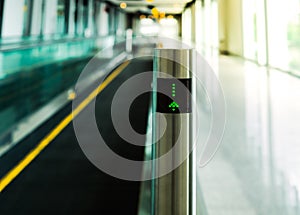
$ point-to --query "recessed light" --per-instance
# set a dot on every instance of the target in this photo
(123, 5)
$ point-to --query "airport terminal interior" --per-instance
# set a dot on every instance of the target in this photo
(150, 107)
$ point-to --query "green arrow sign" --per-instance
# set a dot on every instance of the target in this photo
(173, 106)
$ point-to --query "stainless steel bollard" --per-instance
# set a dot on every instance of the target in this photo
(173, 192)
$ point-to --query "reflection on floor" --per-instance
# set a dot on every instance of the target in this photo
(256, 169)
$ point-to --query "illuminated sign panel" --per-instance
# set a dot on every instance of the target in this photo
(174, 95)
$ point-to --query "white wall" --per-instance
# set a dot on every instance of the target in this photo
(187, 25)
(233, 25)
(13, 18)
(169, 28)
(230, 26)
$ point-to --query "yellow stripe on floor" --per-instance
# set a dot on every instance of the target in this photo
(13, 173)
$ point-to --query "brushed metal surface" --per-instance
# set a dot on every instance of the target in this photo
(173, 191)
(175, 62)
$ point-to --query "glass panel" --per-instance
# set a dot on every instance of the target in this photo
(37, 17)
(33, 76)
(211, 23)
(254, 31)
(27, 9)
(13, 17)
(207, 24)
(90, 31)
(50, 17)
(199, 16)
(112, 21)
(283, 34)
(249, 30)
(79, 13)
(186, 25)
(102, 20)
(61, 17)
(72, 10)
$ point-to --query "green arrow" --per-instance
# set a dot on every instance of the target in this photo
(173, 105)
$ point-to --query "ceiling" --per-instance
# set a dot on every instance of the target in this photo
(144, 6)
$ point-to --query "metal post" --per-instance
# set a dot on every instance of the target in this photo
(27, 17)
(1, 16)
(173, 106)
(67, 17)
(43, 19)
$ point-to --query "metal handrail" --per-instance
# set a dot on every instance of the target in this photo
(41, 42)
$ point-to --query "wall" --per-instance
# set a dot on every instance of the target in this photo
(222, 18)
(230, 26)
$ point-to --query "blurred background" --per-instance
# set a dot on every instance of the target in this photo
(253, 47)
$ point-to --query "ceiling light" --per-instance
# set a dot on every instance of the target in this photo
(154, 11)
(123, 5)
(162, 15)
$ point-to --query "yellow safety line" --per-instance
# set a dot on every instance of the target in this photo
(12, 174)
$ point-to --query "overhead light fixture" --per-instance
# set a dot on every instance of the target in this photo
(162, 15)
(154, 11)
(123, 5)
